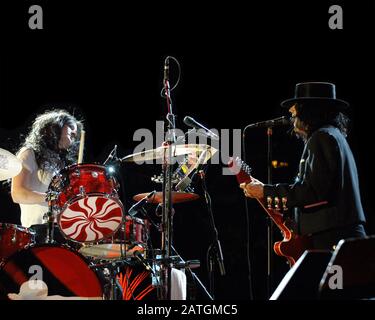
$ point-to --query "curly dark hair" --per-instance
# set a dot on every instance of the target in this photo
(314, 116)
(44, 137)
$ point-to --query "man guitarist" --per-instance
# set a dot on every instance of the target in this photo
(324, 201)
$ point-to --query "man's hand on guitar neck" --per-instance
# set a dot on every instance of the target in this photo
(253, 189)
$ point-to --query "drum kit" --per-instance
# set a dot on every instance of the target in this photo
(106, 252)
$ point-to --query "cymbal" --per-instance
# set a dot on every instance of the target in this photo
(177, 150)
(10, 165)
(177, 197)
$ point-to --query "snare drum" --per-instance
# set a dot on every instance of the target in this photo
(66, 274)
(130, 238)
(88, 206)
(13, 238)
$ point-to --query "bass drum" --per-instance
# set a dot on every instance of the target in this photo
(50, 272)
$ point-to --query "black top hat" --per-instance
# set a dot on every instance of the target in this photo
(316, 92)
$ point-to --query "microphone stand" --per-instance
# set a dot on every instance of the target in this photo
(248, 249)
(166, 221)
(269, 181)
(194, 276)
(214, 252)
(269, 220)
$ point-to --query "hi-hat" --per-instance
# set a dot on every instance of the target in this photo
(10, 165)
(177, 197)
(177, 150)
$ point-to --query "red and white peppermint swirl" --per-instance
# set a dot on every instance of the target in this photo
(90, 219)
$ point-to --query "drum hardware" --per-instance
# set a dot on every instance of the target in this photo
(82, 192)
(141, 202)
(138, 255)
(51, 196)
(110, 270)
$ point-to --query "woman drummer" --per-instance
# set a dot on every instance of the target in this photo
(51, 144)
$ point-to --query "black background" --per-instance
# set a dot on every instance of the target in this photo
(104, 62)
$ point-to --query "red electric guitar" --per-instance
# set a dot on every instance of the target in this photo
(293, 245)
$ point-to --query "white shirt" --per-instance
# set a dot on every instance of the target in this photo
(39, 181)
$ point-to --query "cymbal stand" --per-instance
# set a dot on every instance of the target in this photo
(110, 270)
(214, 252)
(51, 196)
(112, 162)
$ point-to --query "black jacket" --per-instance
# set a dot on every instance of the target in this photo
(326, 193)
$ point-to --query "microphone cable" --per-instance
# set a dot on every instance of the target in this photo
(162, 92)
(247, 216)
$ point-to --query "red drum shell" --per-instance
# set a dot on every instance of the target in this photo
(13, 238)
(66, 272)
(88, 205)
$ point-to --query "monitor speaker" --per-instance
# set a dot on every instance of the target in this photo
(350, 273)
(302, 281)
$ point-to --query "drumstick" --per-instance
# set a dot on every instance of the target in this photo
(81, 147)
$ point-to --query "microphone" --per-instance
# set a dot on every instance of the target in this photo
(136, 207)
(184, 183)
(270, 123)
(137, 254)
(166, 69)
(191, 264)
(194, 124)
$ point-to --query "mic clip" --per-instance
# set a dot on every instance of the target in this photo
(112, 156)
(189, 264)
(139, 205)
(142, 260)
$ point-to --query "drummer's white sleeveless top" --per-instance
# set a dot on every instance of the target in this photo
(39, 181)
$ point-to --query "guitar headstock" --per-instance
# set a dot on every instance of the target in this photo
(240, 169)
